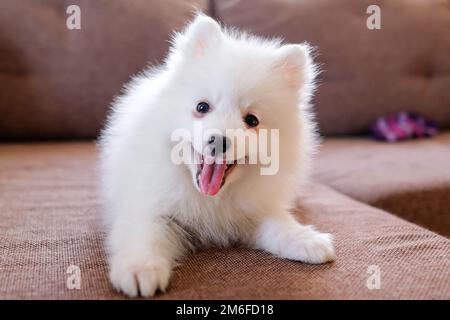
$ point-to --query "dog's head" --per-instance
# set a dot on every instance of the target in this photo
(231, 88)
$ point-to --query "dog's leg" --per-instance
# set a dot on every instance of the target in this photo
(285, 237)
(142, 254)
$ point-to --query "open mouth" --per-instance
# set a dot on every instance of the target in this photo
(212, 173)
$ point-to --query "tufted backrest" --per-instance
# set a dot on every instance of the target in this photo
(57, 83)
(404, 65)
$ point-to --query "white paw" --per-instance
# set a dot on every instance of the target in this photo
(142, 278)
(308, 246)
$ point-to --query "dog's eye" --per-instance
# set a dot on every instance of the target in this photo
(203, 107)
(251, 120)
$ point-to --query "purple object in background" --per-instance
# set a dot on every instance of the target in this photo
(403, 125)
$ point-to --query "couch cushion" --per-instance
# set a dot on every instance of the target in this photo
(49, 220)
(366, 73)
(409, 178)
(58, 83)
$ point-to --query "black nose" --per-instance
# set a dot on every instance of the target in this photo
(219, 144)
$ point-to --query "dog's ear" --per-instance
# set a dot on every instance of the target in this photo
(295, 63)
(202, 33)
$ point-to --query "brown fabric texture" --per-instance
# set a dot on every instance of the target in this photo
(366, 73)
(58, 83)
(49, 220)
(410, 178)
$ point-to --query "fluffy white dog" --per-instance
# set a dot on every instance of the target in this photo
(158, 210)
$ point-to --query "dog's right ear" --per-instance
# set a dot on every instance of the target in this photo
(202, 33)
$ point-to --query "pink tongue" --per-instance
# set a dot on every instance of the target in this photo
(211, 176)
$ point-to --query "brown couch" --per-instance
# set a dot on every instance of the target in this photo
(388, 205)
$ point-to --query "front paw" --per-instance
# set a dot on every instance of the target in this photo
(308, 246)
(142, 277)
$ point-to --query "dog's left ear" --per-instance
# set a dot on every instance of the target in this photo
(201, 34)
(295, 63)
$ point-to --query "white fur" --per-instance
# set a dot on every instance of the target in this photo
(155, 213)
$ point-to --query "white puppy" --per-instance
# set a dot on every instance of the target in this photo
(157, 209)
